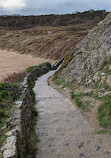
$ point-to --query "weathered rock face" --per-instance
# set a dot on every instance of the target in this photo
(91, 55)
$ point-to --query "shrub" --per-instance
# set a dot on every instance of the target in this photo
(30, 68)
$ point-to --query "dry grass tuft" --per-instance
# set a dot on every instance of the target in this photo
(15, 77)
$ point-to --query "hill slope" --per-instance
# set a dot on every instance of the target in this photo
(49, 36)
(92, 56)
(88, 76)
(48, 42)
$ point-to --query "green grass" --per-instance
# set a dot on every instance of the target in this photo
(78, 99)
(8, 94)
(102, 131)
(104, 112)
(58, 81)
(2, 135)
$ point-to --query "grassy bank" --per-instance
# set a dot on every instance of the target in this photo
(104, 110)
(9, 92)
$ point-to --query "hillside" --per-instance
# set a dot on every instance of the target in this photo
(23, 22)
(92, 56)
(88, 75)
(48, 42)
(50, 36)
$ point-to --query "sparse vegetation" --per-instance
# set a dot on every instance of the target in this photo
(32, 137)
(84, 105)
(102, 131)
(15, 77)
(9, 92)
(58, 81)
(104, 112)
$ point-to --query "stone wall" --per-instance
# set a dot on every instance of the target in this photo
(15, 145)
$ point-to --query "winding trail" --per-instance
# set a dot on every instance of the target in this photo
(62, 130)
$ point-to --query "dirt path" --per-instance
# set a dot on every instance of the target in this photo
(62, 130)
(11, 62)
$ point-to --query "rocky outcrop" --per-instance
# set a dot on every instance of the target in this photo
(15, 145)
(92, 55)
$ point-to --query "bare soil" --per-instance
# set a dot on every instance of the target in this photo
(11, 62)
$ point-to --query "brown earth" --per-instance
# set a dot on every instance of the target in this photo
(11, 62)
(48, 42)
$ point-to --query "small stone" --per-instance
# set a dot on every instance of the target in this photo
(80, 144)
(45, 134)
(98, 147)
(11, 133)
(102, 74)
(106, 93)
(59, 129)
(66, 145)
(81, 155)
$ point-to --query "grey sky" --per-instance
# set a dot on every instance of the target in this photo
(37, 7)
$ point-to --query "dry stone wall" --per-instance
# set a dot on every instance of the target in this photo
(15, 145)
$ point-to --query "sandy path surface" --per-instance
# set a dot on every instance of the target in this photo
(11, 62)
(62, 130)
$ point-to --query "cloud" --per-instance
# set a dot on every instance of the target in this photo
(12, 4)
(38, 7)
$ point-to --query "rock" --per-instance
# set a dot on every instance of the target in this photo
(91, 55)
(11, 133)
(102, 74)
(106, 93)
(10, 142)
(9, 149)
(89, 81)
(59, 129)
(66, 145)
(80, 144)
(9, 153)
(98, 147)
(81, 155)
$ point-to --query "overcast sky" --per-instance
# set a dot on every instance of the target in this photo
(38, 7)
